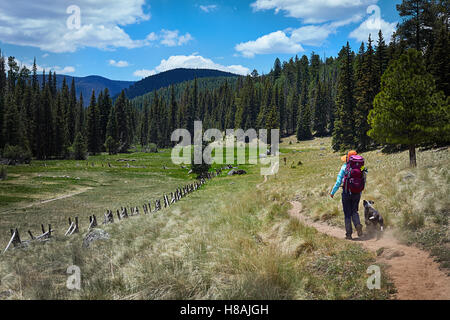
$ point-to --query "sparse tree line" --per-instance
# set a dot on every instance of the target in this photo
(394, 93)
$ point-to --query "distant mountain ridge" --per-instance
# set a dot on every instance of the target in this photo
(85, 85)
(174, 76)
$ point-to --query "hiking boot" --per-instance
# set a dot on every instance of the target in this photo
(359, 228)
(348, 238)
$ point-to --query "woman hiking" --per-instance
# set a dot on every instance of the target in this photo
(352, 174)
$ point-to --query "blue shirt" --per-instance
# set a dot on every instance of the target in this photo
(339, 179)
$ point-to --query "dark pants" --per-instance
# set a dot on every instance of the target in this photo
(350, 203)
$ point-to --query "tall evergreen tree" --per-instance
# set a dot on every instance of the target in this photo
(418, 22)
(381, 55)
(440, 66)
(12, 124)
(94, 141)
(123, 122)
(61, 144)
(80, 116)
(304, 117)
(365, 91)
(343, 134)
(144, 126)
(47, 124)
(277, 69)
(173, 110)
(71, 113)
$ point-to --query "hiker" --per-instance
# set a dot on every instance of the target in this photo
(352, 175)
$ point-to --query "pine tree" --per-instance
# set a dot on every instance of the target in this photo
(61, 145)
(94, 142)
(440, 66)
(365, 91)
(12, 123)
(105, 106)
(304, 117)
(111, 129)
(343, 134)
(408, 110)
(80, 116)
(276, 69)
(123, 122)
(153, 121)
(79, 147)
(417, 25)
(47, 129)
(281, 109)
(272, 122)
(144, 126)
(381, 56)
(163, 132)
(292, 111)
(34, 80)
(71, 113)
(173, 122)
(13, 73)
(320, 110)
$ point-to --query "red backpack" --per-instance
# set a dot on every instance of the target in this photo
(355, 175)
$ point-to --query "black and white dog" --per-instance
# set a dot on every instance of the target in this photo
(374, 220)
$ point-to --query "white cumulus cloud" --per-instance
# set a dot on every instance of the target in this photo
(193, 61)
(119, 64)
(144, 73)
(64, 70)
(44, 24)
(315, 11)
(172, 38)
(275, 42)
(372, 25)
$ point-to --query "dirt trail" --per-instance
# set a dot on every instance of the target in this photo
(79, 191)
(83, 190)
(413, 271)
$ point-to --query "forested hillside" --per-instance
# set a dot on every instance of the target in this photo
(167, 78)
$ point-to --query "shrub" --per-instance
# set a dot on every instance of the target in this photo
(111, 145)
(150, 148)
(200, 169)
(17, 154)
(79, 148)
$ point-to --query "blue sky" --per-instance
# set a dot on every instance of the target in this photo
(130, 39)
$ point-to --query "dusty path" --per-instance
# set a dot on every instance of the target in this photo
(413, 271)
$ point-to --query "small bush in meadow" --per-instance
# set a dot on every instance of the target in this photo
(17, 154)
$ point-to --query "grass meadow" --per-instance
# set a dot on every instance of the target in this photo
(229, 240)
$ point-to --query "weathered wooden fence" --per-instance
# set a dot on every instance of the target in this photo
(181, 192)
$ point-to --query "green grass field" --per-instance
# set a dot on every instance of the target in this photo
(229, 240)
